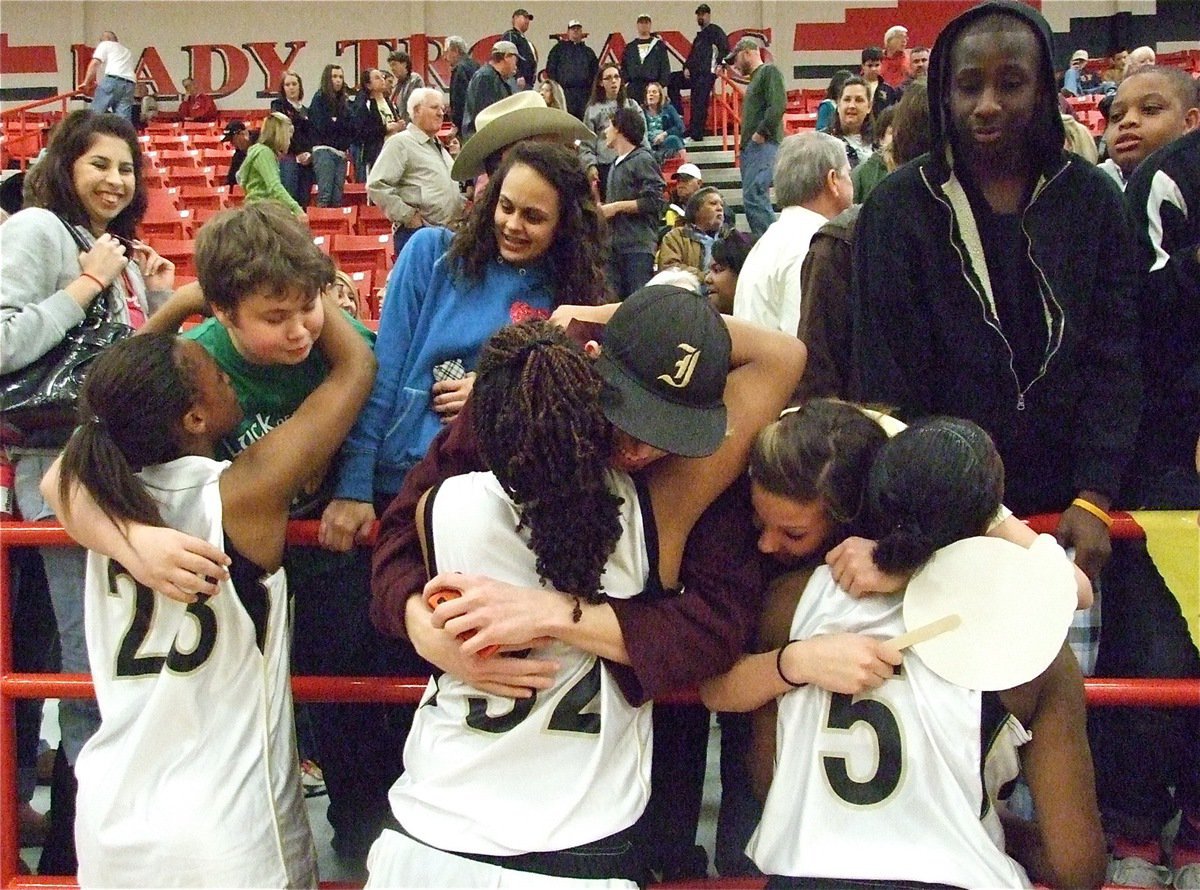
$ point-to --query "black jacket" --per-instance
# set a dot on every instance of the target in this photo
(332, 122)
(526, 59)
(710, 46)
(460, 79)
(637, 72)
(369, 125)
(486, 88)
(637, 178)
(302, 139)
(928, 339)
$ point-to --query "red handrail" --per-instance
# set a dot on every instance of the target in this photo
(1101, 692)
(22, 110)
(728, 96)
(23, 143)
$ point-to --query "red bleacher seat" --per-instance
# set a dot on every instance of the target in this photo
(199, 126)
(209, 197)
(201, 215)
(322, 241)
(154, 177)
(207, 140)
(354, 194)
(367, 299)
(332, 220)
(181, 176)
(169, 141)
(162, 199)
(188, 157)
(361, 253)
(178, 251)
(166, 224)
(670, 165)
(372, 221)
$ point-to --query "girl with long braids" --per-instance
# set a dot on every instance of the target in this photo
(193, 771)
(565, 772)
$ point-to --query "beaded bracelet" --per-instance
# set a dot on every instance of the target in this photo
(99, 283)
(1100, 514)
(779, 665)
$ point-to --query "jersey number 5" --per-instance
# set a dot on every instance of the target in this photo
(129, 662)
(844, 713)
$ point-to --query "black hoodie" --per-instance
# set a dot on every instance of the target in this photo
(1057, 381)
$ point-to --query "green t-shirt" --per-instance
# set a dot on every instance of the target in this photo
(764, 104)
(268, 394)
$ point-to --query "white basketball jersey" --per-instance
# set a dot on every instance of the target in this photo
(502, 776)
(192, 778)
(886, 785)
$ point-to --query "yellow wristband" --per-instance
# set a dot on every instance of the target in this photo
(1094, 510)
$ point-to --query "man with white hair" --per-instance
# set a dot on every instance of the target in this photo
(812, 185)
(114, 90)
(410, 180)
(1141, 57)
(895, 65)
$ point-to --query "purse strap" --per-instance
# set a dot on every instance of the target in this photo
(97, 310)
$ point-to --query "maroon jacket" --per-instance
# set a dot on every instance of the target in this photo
(674, 641)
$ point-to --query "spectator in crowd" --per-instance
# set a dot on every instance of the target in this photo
(1140, 792)
(825, 275)
(690, 246)
(1153, 106)
(608, 95)
(462, 69)
(645, 61)
(827, 110)
(407, 80)
(410, 181)
(241, 137)
(1139, 58)
(375, 118)
(295, 167)
(533, 240)
(1116, 69)
(1000, 318)
(145, 107)
(346, 294)
(868, 174)
(259, 173)
(812, 183)
(664, 126)
(553, 94)
(879, 94)
(685, 182)
(709, 48)
(490, 83)
(64, 251)
(762, 129)
(521, 117)
(526, 57)
(1078, 81)
(633, 202)
(894, 67)
(572, 64)
(918, 66)
(114, 87)
(1080, 139)
(196, 106)
(728, 257)
(332, 132)
(854, 123)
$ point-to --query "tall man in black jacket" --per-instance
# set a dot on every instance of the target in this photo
(462, 69)
(527, 59)
(709, 48)
(644, 61)
(572, 64)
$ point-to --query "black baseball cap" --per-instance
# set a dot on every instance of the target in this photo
(521, 10)
(232, 129)
(703, 7)
(664, 363)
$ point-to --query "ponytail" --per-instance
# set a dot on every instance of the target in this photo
(130, 410)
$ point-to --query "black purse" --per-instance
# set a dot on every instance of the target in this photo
(40, 399)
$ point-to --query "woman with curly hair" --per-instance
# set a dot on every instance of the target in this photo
(532, 242)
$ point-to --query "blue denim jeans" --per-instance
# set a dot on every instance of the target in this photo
(758, 170)
(297, 179)
(330, 170)
(114, 94)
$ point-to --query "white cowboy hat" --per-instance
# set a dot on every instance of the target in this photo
(504, 123)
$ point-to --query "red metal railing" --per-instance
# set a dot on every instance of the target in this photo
(728, 95)
(25, 127)
(1101, 692)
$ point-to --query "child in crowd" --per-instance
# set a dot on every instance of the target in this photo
(261, 276)
(1153, 106)
(634, 202)
(193, 772)
(929, 486)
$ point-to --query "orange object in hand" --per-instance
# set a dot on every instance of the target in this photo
(444, 595)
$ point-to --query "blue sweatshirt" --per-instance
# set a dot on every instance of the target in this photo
(430, 315)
